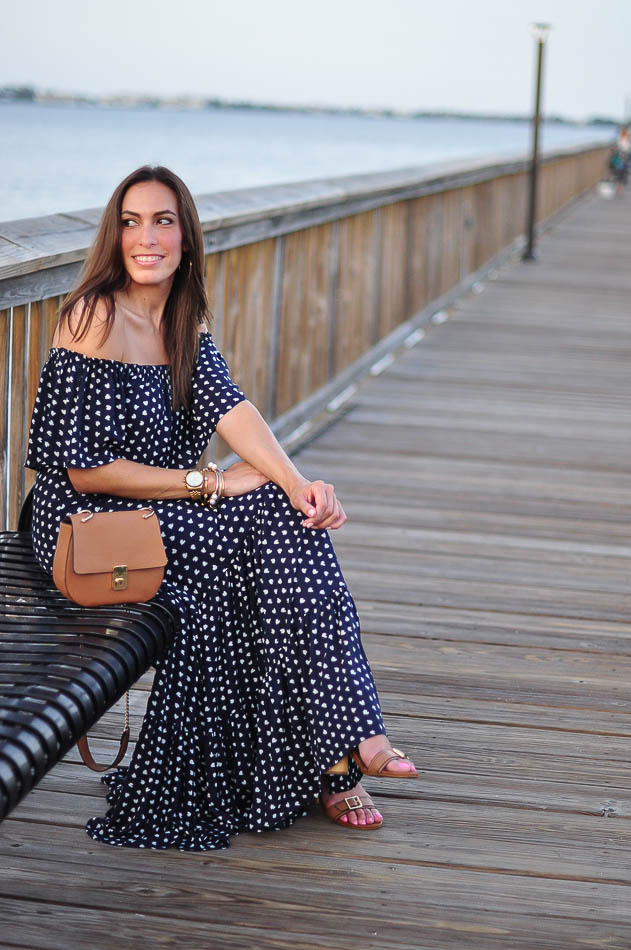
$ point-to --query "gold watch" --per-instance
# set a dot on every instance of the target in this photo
(194, 481)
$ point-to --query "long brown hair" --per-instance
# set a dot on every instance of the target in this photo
(104, 273)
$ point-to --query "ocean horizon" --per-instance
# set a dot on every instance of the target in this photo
(64, 157)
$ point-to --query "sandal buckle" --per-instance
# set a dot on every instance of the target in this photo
(353, 802)
(398, 752)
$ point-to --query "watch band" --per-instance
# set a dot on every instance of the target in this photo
(196, 482)
(194, 489)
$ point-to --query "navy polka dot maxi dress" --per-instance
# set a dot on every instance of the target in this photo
(266, 684)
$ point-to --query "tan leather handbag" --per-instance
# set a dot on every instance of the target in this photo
(109, 557)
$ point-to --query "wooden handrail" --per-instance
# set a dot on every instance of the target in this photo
(309, 282)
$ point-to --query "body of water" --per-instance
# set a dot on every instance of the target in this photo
(66, 157)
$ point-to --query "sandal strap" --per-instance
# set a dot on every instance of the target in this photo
(379, 762)
(346, 805)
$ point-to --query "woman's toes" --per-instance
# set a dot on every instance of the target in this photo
(352, 817)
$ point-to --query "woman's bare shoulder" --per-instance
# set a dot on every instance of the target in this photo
(91, 343)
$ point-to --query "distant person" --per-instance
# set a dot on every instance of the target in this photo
(619, 160)
(265, 686)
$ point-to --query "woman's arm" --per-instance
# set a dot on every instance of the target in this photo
(247, 434)
(134, 480)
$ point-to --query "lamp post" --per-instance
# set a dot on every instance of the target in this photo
(540, 32)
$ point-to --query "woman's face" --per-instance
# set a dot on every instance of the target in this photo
(151, 233)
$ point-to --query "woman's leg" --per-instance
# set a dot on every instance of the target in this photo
(301, 565)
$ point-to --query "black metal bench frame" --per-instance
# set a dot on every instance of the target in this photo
(61, 666)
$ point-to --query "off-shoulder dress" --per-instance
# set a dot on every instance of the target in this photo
(266, 683)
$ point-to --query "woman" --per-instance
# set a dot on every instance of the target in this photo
(265, 686)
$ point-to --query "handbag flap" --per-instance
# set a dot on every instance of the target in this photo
(112, 538)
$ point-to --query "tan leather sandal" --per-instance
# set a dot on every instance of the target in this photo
(378, 765)
(337, 810)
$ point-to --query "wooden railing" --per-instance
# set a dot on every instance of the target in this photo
(308, 282)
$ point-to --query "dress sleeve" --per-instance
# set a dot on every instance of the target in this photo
(78, 418)
(214, 392)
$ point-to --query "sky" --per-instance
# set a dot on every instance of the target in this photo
(456, 55)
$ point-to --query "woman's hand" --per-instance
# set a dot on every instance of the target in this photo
(241, 478)
(247, 434)
(317, 501)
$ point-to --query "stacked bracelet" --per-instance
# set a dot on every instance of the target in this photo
(214, 496)
(199, 487)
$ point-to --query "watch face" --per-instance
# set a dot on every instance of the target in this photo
(194, 479)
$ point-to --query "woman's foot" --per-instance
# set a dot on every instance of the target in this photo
(395, 762)
(366, 816)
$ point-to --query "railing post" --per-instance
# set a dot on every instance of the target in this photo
(274, 328)
(334, 260)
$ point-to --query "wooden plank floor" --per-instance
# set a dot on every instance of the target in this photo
(487, 475)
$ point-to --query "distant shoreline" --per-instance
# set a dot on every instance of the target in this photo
(30, 94)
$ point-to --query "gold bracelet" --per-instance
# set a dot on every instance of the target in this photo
(205, 492)
(221, 485)
(212, 498)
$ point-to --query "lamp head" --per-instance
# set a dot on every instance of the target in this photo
(540, 31)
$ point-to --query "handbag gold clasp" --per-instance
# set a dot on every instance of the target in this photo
(119, 577)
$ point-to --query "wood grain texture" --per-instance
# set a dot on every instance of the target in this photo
(492, 580)
(305, 315)
(355, 283)
(17, 411)
(392, 301)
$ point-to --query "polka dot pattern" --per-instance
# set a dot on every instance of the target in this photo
(266, 683)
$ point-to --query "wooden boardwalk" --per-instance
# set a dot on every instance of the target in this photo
(487, 474)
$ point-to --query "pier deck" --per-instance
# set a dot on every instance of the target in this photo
(487, 475)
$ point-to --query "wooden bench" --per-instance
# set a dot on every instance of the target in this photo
(61, 666)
